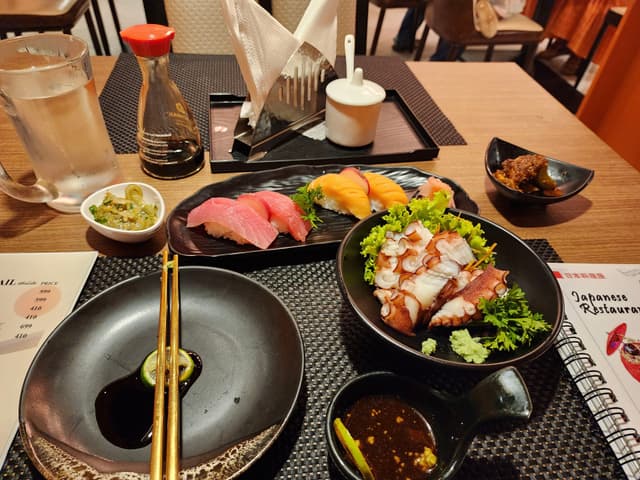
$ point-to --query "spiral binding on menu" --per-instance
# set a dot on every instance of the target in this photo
(612, 419)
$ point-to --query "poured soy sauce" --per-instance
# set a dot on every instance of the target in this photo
(124, 408)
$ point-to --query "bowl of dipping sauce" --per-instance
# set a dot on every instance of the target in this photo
(130, 212)
(524, 176)
(403, 429)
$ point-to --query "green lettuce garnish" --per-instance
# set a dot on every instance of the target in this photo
(431, 212)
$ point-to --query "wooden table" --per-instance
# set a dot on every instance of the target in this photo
(482, 100)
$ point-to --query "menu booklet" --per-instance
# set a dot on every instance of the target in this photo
(37, 291)
(600, 346)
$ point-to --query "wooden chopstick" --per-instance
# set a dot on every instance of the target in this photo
(173, 420)
(157, 432)
(173, 411)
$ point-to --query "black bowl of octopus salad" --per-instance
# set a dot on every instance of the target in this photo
(518, 266)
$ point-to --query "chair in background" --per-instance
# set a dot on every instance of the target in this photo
(53, 15)
(200, 27)
(95, 6)
(383, 5)
(452, 20)
(116, 24)
(612, 19)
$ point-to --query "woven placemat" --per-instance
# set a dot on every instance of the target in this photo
(560, 441)
(199, 75)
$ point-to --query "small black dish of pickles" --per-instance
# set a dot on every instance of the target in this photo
(555, 183)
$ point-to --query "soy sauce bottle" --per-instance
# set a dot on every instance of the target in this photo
(168, 138)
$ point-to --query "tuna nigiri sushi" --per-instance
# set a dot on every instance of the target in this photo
(342, 194)
(228, 218)
(384, 192)
(284, 214)
(256, 204)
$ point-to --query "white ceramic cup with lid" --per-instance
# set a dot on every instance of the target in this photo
(353, 105)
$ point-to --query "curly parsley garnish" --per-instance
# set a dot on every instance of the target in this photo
(515, 323)
(305, 197)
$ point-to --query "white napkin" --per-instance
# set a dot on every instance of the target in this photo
(263, 46)
(319, 27)
(508, 8)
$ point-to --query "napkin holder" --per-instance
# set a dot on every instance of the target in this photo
(295, 102)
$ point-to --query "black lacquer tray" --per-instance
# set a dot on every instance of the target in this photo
(400, 138)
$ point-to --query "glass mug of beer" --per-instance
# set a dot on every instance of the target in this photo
(48, 91)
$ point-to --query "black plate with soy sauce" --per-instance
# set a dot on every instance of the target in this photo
(252, 369)
(453, 421)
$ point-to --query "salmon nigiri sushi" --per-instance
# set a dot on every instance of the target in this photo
(384, 192)
(342, 194)
(433, 184)
(284, 214)
(228, 218)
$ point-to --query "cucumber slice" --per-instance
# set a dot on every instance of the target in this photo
(186, 366)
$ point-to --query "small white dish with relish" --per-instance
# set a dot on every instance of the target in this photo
(130, 212)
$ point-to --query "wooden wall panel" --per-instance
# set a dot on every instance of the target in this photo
(611, 106)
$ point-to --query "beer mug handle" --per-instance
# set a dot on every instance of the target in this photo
(39, 192)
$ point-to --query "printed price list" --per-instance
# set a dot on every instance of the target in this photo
(22, 328)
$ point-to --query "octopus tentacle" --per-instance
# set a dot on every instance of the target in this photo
(463, 307)
(417, 272)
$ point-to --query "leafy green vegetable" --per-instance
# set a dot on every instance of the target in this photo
(514, 321)
(468, 347)
(305, 197)
(431, 212)
(429, 346)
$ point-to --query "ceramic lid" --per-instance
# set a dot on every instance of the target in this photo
(355, 91)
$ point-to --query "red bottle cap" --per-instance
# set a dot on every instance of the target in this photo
(148, 39)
